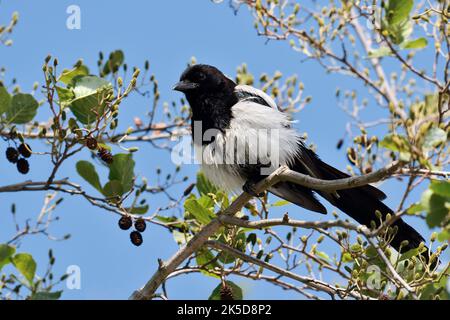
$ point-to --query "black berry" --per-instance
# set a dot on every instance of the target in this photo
(140, 225)
(226, 293)
(12, 155)
(25, 150)
(91, 143)
(23, 166)
(136, 238)
(125, 222)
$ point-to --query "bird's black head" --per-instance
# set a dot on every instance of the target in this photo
(210, 94)
(201, 79)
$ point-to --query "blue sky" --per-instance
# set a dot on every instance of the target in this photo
(167, 33)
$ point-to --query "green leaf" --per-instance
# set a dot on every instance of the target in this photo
(239, 243)
(409, 254)
(87, 171)
(166, 219)
(440, 187)
(356, 247)
(439, 210)
(206, 259)
(204, 186)
(206, 202)
(5, 100)
(6, 252)
(116, 59)
(397, 143)
(415, 208)
(415, 44)
(138, 210)
(122, 170)
(46, 295)
(89, 91)
(200, 213)
(23, 108)
(323, 256)
(26, 265)
(398, 10)
(444, 235)
(113, 188)
(223, 198)
(237, 291)
(65, 96)
(433, 138)
(280, 203)
(399, 32)
(67, 76)
(347, 257)
(437, 207)
(241, 240)
(380, 52)
(226, 257)
(431, 290)
(374, 258)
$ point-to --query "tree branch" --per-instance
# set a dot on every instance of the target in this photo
(310, 282)
(339, 184)
(281, 174)
(293, 223)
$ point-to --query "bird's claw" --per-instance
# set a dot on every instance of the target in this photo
(249, 187)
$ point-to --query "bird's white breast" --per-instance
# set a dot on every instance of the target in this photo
(257, 134)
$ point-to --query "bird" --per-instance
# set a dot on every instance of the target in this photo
(231, 120)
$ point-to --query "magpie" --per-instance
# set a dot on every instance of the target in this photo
(227, 119)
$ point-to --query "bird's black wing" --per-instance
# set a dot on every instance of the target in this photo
(251, 94)
(360, 203)
(308, 162)
(298, 195)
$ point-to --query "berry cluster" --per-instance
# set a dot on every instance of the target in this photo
(126, 222)
(103, 153)
(13, 156)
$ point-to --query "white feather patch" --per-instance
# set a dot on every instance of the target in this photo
(257, 134)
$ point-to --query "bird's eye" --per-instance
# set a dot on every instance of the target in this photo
(201, 76)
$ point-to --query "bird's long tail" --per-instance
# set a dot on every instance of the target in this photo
(362, 206)
(360, 203)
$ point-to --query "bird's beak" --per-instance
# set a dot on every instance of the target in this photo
(185, 86)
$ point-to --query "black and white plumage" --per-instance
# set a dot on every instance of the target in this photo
(233, 116)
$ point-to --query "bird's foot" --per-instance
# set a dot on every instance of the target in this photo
(249, 187)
